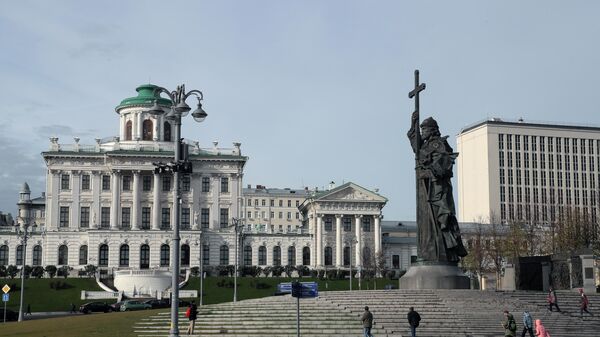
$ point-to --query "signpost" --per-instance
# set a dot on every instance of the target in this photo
(299, 290)
(5, 298)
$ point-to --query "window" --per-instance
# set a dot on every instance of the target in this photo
(289, 203)
(144, 257)
(247, 256)
(224, 185)
(145, 217)
(103, 256)
(347, 224)
(128, 130)
(185, 218)
(63, 255)
(224, 217)
(85, 182)
(126, 183)
(64, 217)
(206, 255)
(64, 182)
(346, 256)
(396, 261)
(205, 184)
(280, 215)
(291, 256)
(19, 261)
(297, 215)
(204, 217)
(306, 256)
(37, 255)
(500, 141)
(263, 202)
(83, 255)
(185, 183)
(106, 183)
(146, 183)
(166, 219)
(124, 256)
(272, 203)
(165, 255)
(147, 130)
(366, 223)
(84, 217)
(105, 217)
(262, 255)
(4, 255)
(166, 183)
(289, 215)
(167, 132)
(185, 255)
(328, 256)
(280, 203)
(297, 203)
(125, 217)
(277, 256)
(224, 255)
(328, 224)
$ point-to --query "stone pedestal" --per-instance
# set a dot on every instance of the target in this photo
(509, 279)
(589, 281)
(434, 276)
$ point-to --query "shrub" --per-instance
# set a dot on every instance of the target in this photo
(90, 270)
(267, 270)
(302, 270)
(289, 270)
(27, 271)
(3, 271)
(63, 271)
(50, 270)
(37, 271)
(331, 274)
(314, 273)
(12, 271)
(277, 271)
(195, 271)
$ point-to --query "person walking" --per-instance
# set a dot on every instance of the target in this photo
(367, 321)
(413, 318)
(509, 325)
(540, 330)
(552, 300)
(527, 324)
(28, 309)
(583, 303)
(73, 308)
(192, 314)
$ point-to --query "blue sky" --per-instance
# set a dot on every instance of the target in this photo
(314, 90)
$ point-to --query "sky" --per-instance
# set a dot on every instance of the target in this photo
(316, 91)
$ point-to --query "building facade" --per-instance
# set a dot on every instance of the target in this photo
(521, 171)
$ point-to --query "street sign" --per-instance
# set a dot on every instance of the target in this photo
(4, 297)
(6, 288)
(305, 290)
(284, 287)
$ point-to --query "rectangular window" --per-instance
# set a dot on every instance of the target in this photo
(224, 217)
(366, 224)
(64, 182)
(84, 217)
(501, 141)
(166, 183)
(126, 183)
(147, 183)
(264, 202)
(509, 142)
(517, 142)
(205, 184)
(280, 215)
(85, 182)
(224, 185)
(249, 215)
(125, 217)
(297, 203)
(272, 203)
(64, 216)
(289, 215)
(289, 203)
(106, 183)
(297, 215)
(205, 217)
(328, 224)
(166, 219)
(105, 217)
(145, 217)
(526, 143)
(185, 183)
(185, 218)
(280, 203)
(347, 224)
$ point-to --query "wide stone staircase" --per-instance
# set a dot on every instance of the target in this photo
(444, 313)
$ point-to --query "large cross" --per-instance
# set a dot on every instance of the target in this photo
(415, 92)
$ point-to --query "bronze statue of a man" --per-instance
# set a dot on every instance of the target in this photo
(438, 233)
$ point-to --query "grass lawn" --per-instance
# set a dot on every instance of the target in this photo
(116, 324)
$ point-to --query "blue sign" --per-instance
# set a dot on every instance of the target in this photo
(4, 297)
(304, 290)
(285, 287)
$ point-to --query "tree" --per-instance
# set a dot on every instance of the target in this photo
(37, 272)
(478, 260)
(64, 271)
(289, 270)
(12, 271)
(51, 270)
(90, 270)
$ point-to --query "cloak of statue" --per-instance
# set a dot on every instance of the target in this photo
(439, 237)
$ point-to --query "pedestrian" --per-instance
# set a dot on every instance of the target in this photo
(413, 318)
(28, 309)
(191, 314)
(73, 308)
(527, 324)
(552, 299)
(583, 303)
(540, 331)
(367, 321)
(509, 324)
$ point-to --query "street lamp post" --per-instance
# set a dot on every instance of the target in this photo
(201, 268)
(177, 110)
(350, 243)
(236, 225)
(23, 232)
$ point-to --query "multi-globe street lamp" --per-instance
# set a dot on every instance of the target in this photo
(23, 231)
(175, 112)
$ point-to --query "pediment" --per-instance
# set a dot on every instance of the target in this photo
(352, 192)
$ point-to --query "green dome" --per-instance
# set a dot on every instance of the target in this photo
(146, 96)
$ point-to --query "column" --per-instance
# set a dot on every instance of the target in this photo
(196, 182)
(338, 240)
(135, 211)
(156, 209)
(75, 180)
(377, 235)
(95, 209)
(55, 210)
(319, 248)
(116, 193)
(358, 254)
(139, 127)
(215, 209)
(311, 227)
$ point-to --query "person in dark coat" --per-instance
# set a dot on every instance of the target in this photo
(527, 324)
(413, 318)
(193, 310)
(367, 321)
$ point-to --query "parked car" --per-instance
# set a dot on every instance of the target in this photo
(10, 315)
(134, 305)
(116, 306)
(94, 307)
(156, 304)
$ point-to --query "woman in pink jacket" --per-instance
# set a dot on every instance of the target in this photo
(540, 331)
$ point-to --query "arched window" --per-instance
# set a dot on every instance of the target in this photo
(247, 256)
(128, 131)
(167, 132)
(346, 256)
(63, 255)
(19, 255)
(4, 255)
(147, 130)
(165, 255)
(144, 257)
(328, 256)
(185, 255)
(306, 256)
(103, 256)
(262, 255)
(205, 255)
(366, 256)
(124, 256)
(83, 255)
(277, 256)
(224, 255)
(37, 256)
(291, 256)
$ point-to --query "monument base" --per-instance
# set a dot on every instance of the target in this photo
(434, 276)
